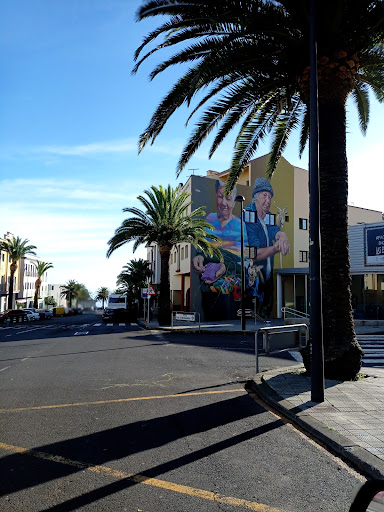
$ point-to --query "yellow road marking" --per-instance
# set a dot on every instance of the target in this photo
(120, 400)
(142, 479)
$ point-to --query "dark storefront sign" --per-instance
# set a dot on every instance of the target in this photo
(374, 246)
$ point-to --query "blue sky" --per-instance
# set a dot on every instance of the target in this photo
(71, 115)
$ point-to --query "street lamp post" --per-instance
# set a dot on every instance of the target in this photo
(316, 321)
(241, 199)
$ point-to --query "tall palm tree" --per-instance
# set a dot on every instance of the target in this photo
(252, 60)
(102, 294)
(166, 223)
(69, 291)
(16, 249)
(41, 267)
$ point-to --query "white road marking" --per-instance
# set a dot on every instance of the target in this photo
(6, 368)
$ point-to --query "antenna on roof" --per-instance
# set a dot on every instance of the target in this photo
(193, 171)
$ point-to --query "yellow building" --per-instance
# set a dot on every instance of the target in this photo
(5, 272)
(290, 203)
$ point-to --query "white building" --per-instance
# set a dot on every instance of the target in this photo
(27, 280)
(54, 291)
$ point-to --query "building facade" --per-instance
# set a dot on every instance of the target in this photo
(28, 276)
(218, 296)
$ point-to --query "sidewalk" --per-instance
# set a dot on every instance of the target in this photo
(350, 421)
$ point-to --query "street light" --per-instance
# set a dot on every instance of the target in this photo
(241, 199)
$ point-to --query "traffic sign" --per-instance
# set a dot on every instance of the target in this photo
(151, 291)
(147, 292)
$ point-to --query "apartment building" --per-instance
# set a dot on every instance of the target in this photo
(5, 273)
(24, 281)
(28, 276)
(289, 208)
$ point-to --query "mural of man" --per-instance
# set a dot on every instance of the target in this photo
(267, 238)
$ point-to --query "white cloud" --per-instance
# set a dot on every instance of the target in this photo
(119, 146)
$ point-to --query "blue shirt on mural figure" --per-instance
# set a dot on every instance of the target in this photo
(228, 227)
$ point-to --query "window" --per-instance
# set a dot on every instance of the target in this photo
(303, 223)
(287, 218)
(182, 253)
(303, 256)
(186, 251)
(270, 219)
(250, 252)
(249, 216)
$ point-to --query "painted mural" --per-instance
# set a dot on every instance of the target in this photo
(265, 232)
(220, 282)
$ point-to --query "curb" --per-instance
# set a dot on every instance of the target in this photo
(214, 330)
(346, 449)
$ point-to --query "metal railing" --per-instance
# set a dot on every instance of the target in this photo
(252, 314)
(293, 313)
(190, 316)
(281, 338)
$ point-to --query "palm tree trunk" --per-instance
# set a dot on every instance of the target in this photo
(342, 353)
(164, 315)
(13, 269)
(37, 289)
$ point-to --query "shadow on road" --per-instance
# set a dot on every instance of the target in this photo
(24, 470)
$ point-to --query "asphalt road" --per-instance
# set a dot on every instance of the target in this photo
(115, 418)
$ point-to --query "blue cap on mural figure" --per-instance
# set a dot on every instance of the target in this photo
(262, 184)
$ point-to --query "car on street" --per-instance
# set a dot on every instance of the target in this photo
(118, 315)
(45, 314)
(16, 315)
(32, 314)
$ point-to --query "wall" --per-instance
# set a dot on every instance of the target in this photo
(357, 215)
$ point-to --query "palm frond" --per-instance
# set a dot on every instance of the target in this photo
(360, 94)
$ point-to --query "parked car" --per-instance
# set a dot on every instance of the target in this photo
(77, 311)
(16, 315)
(113, 315)
(32, 314)
(45, 313)
(119, 315)
(3, 318)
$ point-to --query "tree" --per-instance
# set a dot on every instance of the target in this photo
(50, 301)
(69, 291)
(253, 57)
(102, 294)
(165, 223)
(16, 249)
(138, 272)
(41, 267)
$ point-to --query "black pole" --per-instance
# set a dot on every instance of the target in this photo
(316, 317)
(241, 199)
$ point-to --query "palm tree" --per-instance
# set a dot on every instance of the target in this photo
(69, 291)
(138, 271)
(102, 294)
(252, 59)
(16, 249)
(166, 223)
(41, 267)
